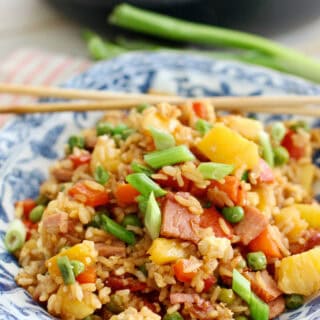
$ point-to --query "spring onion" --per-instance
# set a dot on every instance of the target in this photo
(152, 218)
(36, 213)
(263, 51)
(258, 309)
(76, 141)
(101, 175)
(117, 230)
(77, 267)
(131, 220)
(173, 316)
(267, 152)
(215, 171)
(241, 286)
(142, 203)
(140, 168)
(278, 132)
(281, 156)
(15, 235)
(203, 126)
(144, 184)
(162, 140)
(104, 128)
(158, 159)
(66, 271)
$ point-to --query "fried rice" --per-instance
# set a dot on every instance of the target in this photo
(184, 267)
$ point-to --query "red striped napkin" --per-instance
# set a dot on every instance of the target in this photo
(30, 66)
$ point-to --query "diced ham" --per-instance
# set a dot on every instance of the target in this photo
(263, 285)
(118, 283)
(114, 249)
(56, 222)
(266, 173)
(276, 307)
(253, 223)
(62, 175)
(178, 221)
(176, 298)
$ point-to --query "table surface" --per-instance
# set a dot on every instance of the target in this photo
(34, 23)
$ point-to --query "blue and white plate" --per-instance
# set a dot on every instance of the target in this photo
(29, 144)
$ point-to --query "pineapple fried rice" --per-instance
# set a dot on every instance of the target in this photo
(174, 213)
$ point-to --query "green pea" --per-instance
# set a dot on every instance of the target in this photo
(281, 156)
(77, 267)
(226, 296)
(294, 301)
(257, 260)
(101, 175)
(173, 316)
(233, 214)
(140, 108)
(76, 141)
(132, 220)
(104, 128)
(36, 213)
(203, 126)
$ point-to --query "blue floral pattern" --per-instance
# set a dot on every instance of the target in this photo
(28, 144)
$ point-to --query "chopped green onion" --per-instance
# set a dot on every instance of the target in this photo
(104, 128)
(15, 235)
(278, 131)
(226, 296)
(245, 176)
(42, 199)
(300, 125)
(36, 213)
(140, 168)
(76, 141)
(294, 301)
(233, 214)
(257, 260)
(258, 309)
(158, 159)
(142, 203)
(203, 126)
(77, 267)
(140, 108)
(101, 175)
(267, 152)
(144, 184)
(162, 140)
(65, 268)
(152, 218)
(173, 316)
(131, 220)
(215, 171)
(241, 286)
(281, 155)
(117, 230)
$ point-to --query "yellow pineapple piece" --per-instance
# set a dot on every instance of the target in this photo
(305, 175)
(310, 213)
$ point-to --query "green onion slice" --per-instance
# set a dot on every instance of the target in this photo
(144, 184)
(215, 171)
(162, 140)
(101, 175)
(77, 267)
(140, 168)
(278, 131)
(152, 218)
(241, 286)
(258, 309)
(15, 236)
(66, 270)
(267, 152)
(158, 159)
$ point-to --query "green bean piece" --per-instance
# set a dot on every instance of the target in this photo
(203, 126)
(233, 214)
(101, 175)
(226, 296)
(103, 128)
(281, 155)
(77, 267)
(257, 260)
(173, 316)
(76, 142)
(66, 271)
(294, 301)
(15, 236)
(278, 131)
(131, 220)
(36, 213)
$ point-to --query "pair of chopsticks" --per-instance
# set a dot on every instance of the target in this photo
(93, 100)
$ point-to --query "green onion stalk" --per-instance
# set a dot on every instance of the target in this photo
(261, 50)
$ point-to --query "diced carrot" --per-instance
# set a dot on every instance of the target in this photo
(200, 109)
(208, 283)
(27, 205)
(91, 197)
(295, 152)
(266, 244)
(212, 218)
(180, 270)
(126, 194)
(81, 159)
(233, 188)
(266, 173)
(89, 275)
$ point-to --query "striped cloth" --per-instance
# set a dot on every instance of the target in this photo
(35, 67)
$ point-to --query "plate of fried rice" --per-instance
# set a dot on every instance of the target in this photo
(162, 212)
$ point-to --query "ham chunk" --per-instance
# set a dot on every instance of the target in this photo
(191, 298)
(253, 223)
(56, 223)
(178, 222)
(263, 285)
(116, 248)
(276, 307)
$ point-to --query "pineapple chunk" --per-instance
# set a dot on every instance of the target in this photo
(164, 251)
(153, 119)
(249, 128)
(310, 213)
(83, 252)
(224, 145)
(72, 308)
(105, 154)
(305, 175)
(300, 273)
